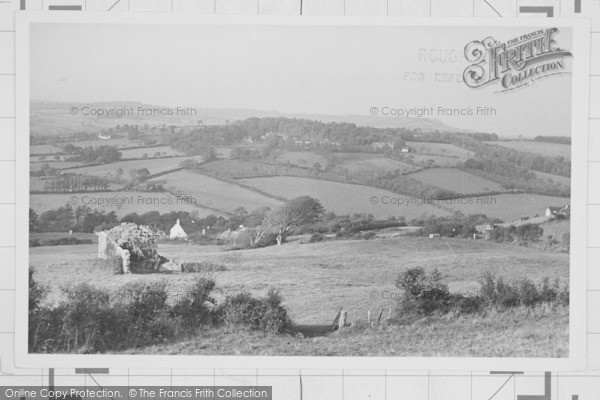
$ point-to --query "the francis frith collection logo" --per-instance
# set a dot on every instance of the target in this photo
(516, 62)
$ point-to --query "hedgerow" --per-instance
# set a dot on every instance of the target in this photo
(90, 319)
(425, 294)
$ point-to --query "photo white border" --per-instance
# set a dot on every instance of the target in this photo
(578, 257)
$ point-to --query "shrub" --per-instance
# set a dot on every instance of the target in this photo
(425, 294)
(86, 318)
(198, 306)
(92, 320)
(266, 314)
(37, 293)
(202, 266)
(270, 239)
(496, 292)
(316, 237)
(145, 300)
(65, 241)
(367, 235)
(415, 281)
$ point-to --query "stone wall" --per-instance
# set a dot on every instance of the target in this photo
(108, 249)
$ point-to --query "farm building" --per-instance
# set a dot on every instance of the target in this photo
(177, 231)
(564, 211)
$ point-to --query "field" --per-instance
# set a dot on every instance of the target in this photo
(120, 142)
(248, 169)
(223, 152)
(456, 180)
(368, 162)
(508, 207)
(154, 165)
(343, 198)
(150, 151)
(542, 148)
(44, 149)
(121, 202)
(215, 194)
(37, 165)
(439, 149)
(439, 161)
(317, 280)
(557, 229)
(302, 158)
(59, 235)
(563, 180)
(39, 185)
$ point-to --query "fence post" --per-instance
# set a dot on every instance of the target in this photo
(335, 321)
(379, 318)
(369, 317)
(343, 318)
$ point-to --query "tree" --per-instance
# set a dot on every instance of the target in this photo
(208, 154)
(139, 175)
(296, 212)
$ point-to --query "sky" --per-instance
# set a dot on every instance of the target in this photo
(290, 69)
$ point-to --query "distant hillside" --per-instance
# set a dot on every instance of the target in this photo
(57, 118)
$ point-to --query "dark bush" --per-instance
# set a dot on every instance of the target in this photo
(367, 235)
(266, 314)
(198, 306)
(316, 237)
(426, 294)
(65, 241)
(37, 293)
(145, 300)
(203, 266)
(496, 292)
(270, 239)
(415, 281)
(94, 320)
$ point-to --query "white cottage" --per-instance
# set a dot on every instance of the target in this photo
(177, 232)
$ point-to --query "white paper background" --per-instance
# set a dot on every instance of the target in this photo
(316, 384)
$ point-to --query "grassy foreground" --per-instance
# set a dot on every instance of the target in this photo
(316, 280)
(521, 332)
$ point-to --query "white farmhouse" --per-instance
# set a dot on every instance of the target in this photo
(177, 232)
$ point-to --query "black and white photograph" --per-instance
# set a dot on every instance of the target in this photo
(322, 190)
